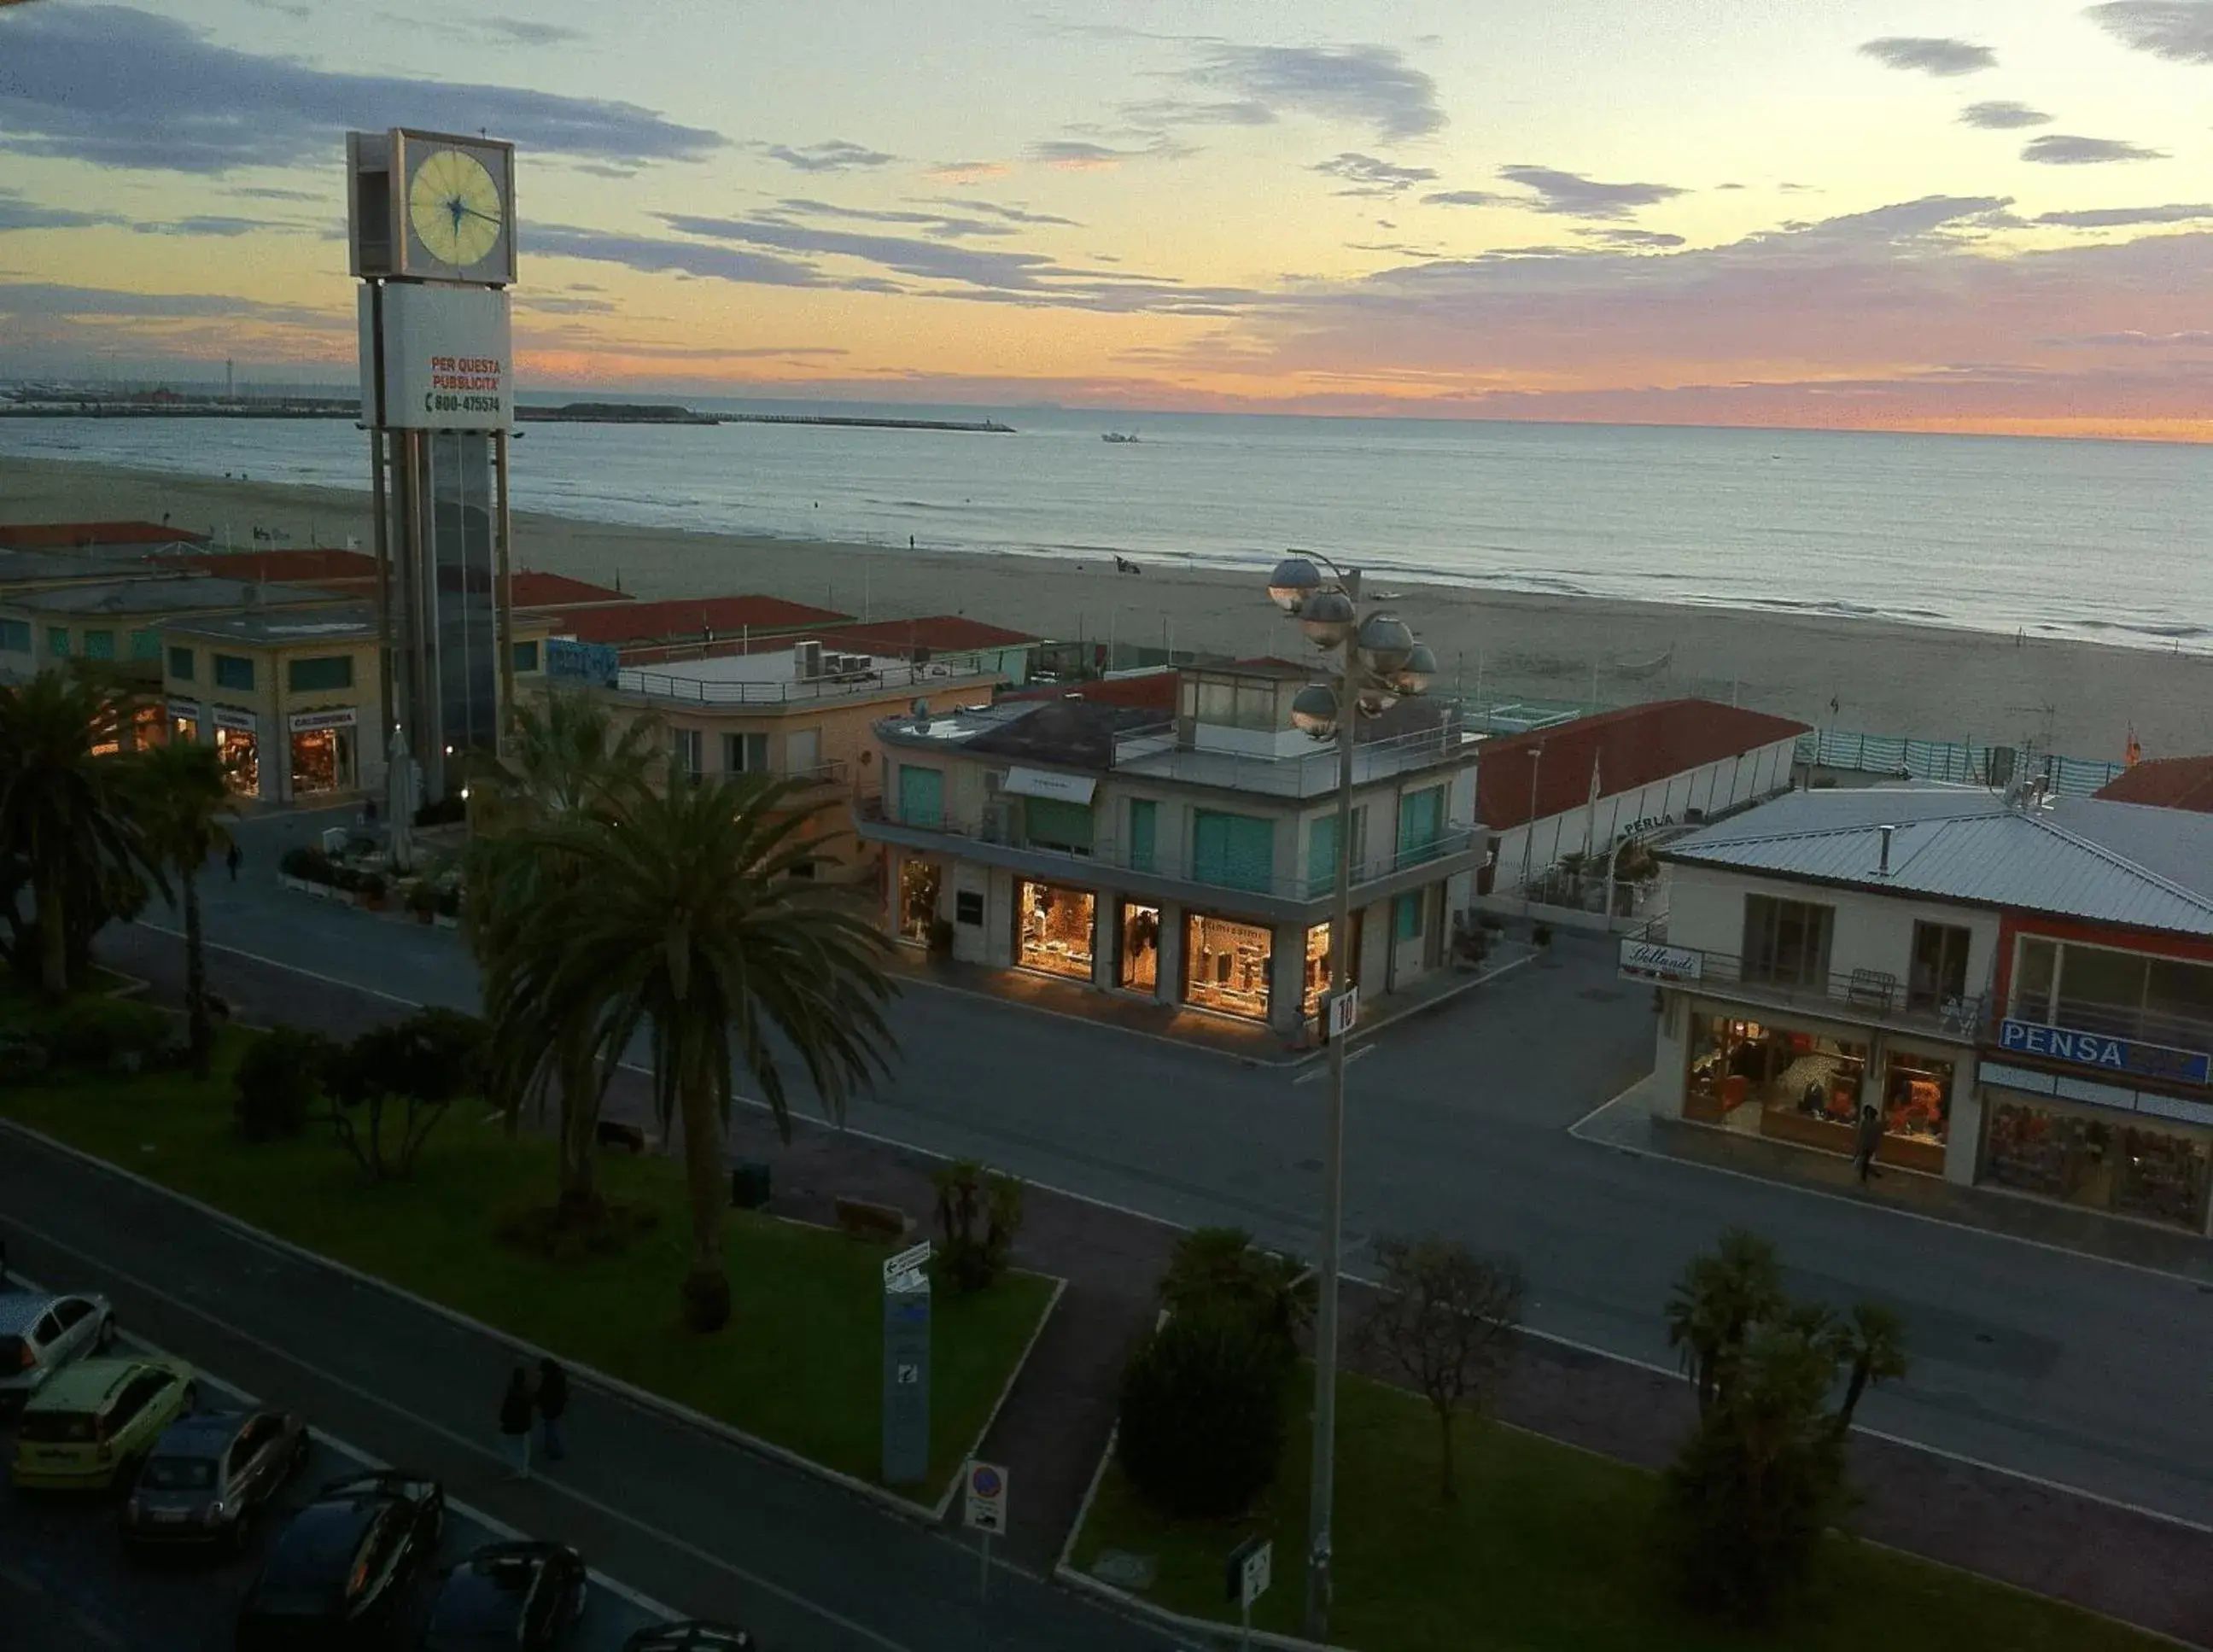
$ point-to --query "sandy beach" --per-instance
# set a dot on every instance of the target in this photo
(1885, 678)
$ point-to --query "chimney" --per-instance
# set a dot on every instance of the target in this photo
(1882, 863)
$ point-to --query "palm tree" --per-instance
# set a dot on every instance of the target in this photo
(1871, 1347)
(567, 761)
(692, 912)
(1717, 1301)
(180, 788)
(63, 816)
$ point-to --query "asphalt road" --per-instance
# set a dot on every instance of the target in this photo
(66, 1584)
(2067, 1367)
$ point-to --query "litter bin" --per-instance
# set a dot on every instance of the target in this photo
(749, 1185)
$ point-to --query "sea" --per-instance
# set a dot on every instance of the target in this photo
(2104, 541)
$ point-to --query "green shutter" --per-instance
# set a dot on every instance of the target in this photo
(57, 641)
(1421, 825)
(1056, 823)
(1406, 915)
(1144, 825)
(15, 636)
(1322, 854)
(145, 645)
(921, 796)
(1233, 851)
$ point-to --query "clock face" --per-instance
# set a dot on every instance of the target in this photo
(454, 208)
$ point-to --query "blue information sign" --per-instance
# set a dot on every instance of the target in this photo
(2106, 1053)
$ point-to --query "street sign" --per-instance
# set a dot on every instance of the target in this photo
(1343, 1012)
(906, 1384)
(1252, 1568)
(987, 1499)
(912, 1259)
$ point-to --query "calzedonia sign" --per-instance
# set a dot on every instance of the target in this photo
(2106, 1053)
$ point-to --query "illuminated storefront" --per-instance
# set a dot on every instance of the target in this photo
(2127, 1165)
(237, 743)
(1138, 965)
(322, 751)
(1055, 927)
(1226, 966)
(185, 721)
(1317, 964)
(1791, 1083)
(920, 882)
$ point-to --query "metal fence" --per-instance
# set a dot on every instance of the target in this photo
(1957, 762)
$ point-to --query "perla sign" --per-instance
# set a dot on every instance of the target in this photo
(2111, 1054)
(436, 358)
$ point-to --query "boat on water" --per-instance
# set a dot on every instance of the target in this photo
(1118, 435)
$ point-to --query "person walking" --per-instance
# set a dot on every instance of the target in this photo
(233, 858)
(1865, 1140)
(515, 1424)
(553, 1405)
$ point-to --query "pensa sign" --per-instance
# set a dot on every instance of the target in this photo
(2106, 1053)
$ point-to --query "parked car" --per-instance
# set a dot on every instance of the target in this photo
(92, 1421)
(337, 1573)
(41, 1333)
(696, 1634)
(521, 1595)
(208, 1477)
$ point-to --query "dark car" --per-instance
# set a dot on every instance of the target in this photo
(696, 1634)
(523, 1595)
(208, 1477)
(337, 1573)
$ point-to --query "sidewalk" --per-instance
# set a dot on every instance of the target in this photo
(1627, 1124)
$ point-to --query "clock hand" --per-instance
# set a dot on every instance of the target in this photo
(470, 211)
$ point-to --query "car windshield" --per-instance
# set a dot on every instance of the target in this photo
(55, 1428)
(313, 1557)
(477, 1607)
(177, 1474)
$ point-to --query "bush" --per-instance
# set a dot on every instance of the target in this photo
(449, 900)
(447, 811)
(422, 897)
(105, 1033)
(1202, 1414)
(373, 886)
(22, 1058)
(308, 863)
(277, 1080)
(1221, 1268)
(978, 1213)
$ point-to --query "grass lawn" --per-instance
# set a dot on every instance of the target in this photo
(800, 1363)
(1546, 1550)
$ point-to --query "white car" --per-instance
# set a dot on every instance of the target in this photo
(40, 1334)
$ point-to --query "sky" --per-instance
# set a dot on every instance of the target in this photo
(1969, 215)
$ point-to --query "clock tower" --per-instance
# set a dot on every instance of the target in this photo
(431, 239)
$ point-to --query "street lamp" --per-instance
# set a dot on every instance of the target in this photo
(1379, 662)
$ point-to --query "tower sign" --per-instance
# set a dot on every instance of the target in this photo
(431, 238)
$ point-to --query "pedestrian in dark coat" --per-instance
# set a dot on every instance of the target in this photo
(1865, 1140)
(552, 1404)
(232, 859)
(515, 1424)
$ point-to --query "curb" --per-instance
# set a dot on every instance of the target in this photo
(643, 1398)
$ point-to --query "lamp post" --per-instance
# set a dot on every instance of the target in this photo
(1379, 661)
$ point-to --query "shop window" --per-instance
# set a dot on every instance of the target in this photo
(15, 636)
(1939, 973)
(1225, 966)
(233, 671)
(180, 664)
(322, 761)
(1233, 851)
(920, 882)
(968, 907)
(1789, 1083)
(242, 760)
(1917, 1109)
(185, 730)
(145, 645)
(525, 657)
(1317, 975)
(921, 796)
(1056, 823)
(2130, 1169)
(1056, 928)
(1145, 826)
(1139, 967)
(58, 642)
(1786, 942)
(745, 754)
(319, 675)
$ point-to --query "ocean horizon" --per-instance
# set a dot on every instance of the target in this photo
(2078, 538)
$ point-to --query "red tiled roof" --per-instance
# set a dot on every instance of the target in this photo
(535, 588)
(2165, 783)
(303, 565)
(70, 536)
(1636, 747)
(686, 619)
(938, 632)
(1152, 691)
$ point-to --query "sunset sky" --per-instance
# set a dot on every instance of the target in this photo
(1937, 213)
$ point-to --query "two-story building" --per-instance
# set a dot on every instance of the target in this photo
(2023, 990)
(1189, 858)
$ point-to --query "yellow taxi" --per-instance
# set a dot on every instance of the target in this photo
(94, 1420)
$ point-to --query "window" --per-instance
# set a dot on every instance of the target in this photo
(745, 754)
(1055, 929)
(1322, 850)
(15, 636)
(1234, 851)
(1144, 825)
(57, 641)
(802, 752)
(1406, 916)
(233, 671)
(921, 796)
(71, 1311)
(920, 883)
(684, 754)
(145, 645)
(1940, 966)
(319, 675)
(1226, 965)
(525, 656)
(180, 664)
(968, 906)
(1786, 942)
(1421, 825)
(100, 645)
(1056, 823)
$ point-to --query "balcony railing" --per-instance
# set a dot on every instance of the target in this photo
(1859, 994)
(1005, 830)
(686, 689)
(1154, 751)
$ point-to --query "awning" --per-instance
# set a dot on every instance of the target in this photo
(1042, 783)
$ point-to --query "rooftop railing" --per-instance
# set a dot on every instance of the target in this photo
(883, 677)
(1156, 751)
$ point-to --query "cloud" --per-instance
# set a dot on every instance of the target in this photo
(833, 155)
(562, 304)
(264, 193)
(1080, 155)
(1632, 240)
(2180, 31)
(48, 298)
(659, 256)
(994, 209)
(2189, 338)
(209, 224)
(17, 213)
(944, 225)
(1370, 86)
(1196, 111)
(119, 88)
(966, 172)
(1571, 195)
(1469, 197)
(2113, 217)
(2061, 150)
(2002, 115)
(1930, 55)
(1368, 176)
(529, 31)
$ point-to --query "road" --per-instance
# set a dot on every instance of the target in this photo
(2066, 1367)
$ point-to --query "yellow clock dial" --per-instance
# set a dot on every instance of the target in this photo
(455, 208)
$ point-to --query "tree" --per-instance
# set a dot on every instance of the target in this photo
(567, 760)
(424, 1064)
(1446, 1322)
(978, 1213)
(1718, 1299)
(1871, 1347)
(687, 915)
(1222, 1266)
(180, 791)
(66, 827)
(1201, 1428)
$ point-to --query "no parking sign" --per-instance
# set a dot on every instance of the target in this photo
(987, 1499)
